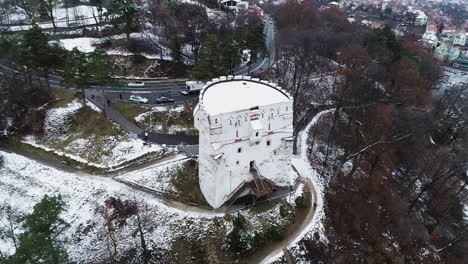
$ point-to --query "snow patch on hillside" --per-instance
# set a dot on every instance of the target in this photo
(157, 177)
(115, 151)
(24, 182)
(82, 44)
(56, 122)
(122, 151)
(143, 116)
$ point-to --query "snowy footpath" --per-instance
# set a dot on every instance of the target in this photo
(316, 185)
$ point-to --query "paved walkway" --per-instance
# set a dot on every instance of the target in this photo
(157, 138)
(95, 97)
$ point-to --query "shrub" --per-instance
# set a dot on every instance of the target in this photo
(239, 239)
(104, 44)
(139, 59)
(301, 201)
(276, 232)
(141, 45)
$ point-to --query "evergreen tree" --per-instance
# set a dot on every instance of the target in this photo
(231, 57)
(391, 41)
(123, 12)
(76, 72)
(36, 54)
(39, 244)
(208, 64)
(176, 51)
(100, 66)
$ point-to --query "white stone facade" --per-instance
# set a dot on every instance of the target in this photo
(242, 122)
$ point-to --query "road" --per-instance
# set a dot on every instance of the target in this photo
(265, 63)
(152, 89)
(166, 88)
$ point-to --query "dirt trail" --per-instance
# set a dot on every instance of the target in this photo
(279, 248)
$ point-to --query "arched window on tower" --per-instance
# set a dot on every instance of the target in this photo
(269, 126)
(237, 133)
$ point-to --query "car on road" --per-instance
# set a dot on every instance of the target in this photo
(138, 99)
(164, 100)
(184, 92)
(136, 84)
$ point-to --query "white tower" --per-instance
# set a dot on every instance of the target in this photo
(245, 128)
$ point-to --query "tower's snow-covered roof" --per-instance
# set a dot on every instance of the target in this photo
(235, 94)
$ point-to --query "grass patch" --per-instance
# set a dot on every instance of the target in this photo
(62, 97)
(196, 245)
(185, 180)
(87, 122)
(263, 207)
(172, 120)
(130, 111)
(255, 232)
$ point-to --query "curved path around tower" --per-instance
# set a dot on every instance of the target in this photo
(300, 164)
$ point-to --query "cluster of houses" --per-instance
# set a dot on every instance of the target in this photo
(239, 6)
(448, 44)
(447, 40)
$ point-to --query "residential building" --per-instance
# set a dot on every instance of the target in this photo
(421, 18)
(460, 39)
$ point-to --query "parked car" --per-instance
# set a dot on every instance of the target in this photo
(184, 92)
(164, 100)
(136, 85)
(138, 99)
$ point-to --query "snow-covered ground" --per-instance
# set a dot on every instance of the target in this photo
(78, 16)
(109, 152)
(452, 77)
(166, 119)
(88, 45)
(82, 44)
(24, 182)
(157, 177)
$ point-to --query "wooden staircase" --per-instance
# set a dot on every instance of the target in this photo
(260, 185)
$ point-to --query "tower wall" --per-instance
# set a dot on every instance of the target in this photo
(230, 141)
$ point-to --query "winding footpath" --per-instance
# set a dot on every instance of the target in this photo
(307, 175)
(312, 220)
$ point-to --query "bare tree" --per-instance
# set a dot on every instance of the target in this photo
(10, 224)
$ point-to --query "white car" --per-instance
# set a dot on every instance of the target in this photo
(138, 99)
(184, 92)
(136, 85)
